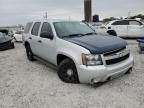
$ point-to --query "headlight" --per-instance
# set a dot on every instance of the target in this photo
(91, 60)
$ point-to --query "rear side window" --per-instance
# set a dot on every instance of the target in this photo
(125, 22)
(46, 28)
(27, 28)
(35, 29)
(134, 23)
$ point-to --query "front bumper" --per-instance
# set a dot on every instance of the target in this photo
(101, 73)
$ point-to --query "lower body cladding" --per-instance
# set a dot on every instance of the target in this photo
(95, 74)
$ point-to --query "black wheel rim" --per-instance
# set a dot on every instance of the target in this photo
(68, 77)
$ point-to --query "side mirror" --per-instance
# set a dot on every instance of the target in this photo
(46, 35)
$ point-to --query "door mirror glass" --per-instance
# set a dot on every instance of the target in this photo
(46, 35)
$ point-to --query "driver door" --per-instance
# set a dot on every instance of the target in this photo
(47, 46)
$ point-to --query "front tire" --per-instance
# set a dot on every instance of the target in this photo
(29, 53)
(67, 71)
(112, 32)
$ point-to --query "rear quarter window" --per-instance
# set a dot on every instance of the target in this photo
(27, 27)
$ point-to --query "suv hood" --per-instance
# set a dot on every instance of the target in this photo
(99, 44)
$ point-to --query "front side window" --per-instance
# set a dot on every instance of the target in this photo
(46, 28)
(65, 29)
(35, 29)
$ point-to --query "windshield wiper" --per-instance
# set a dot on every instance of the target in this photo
(92, 33)
(73, 35)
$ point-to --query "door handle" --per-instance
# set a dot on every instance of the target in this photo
(39, 41)
(30, 37)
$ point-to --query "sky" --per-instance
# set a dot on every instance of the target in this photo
(13, 12)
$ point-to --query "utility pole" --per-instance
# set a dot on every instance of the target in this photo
(45, 16)
(88, 10)
(129, 14)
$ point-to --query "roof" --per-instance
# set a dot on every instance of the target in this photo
(122, 20)
(52, 20)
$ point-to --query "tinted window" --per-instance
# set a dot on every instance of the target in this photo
(46, 28)
(134, 23)
(125, 22)
(35, 29)
(27, 28)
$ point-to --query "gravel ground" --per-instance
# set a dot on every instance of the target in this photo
(25, 84)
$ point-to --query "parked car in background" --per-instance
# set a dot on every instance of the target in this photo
(18, 36)
(80, 54)
(99, 28)
(125, 28)
(6, 41)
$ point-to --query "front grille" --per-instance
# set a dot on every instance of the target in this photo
(117, 60)
(113, 52)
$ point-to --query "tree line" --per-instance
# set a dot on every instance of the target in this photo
(131, 17)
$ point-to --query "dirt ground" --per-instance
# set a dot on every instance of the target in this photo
(25, 84)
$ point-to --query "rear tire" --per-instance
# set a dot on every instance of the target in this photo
(141, 50)
(29, 53)
(13, 46)
(67, 71)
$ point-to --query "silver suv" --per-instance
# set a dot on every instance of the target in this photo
(80, 54)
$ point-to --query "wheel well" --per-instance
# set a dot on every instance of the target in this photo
(61, 57)
(112, 32)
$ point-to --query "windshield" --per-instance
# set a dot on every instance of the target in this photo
(67, 29)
